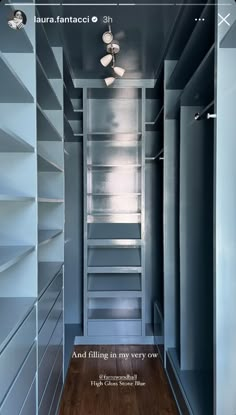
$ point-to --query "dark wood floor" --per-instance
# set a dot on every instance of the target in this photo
(81, 398)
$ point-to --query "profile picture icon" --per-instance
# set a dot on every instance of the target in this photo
(18, 20)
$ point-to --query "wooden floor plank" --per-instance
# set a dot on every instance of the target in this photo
(81, 398)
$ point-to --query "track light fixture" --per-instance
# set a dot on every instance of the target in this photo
(113, 48)
(109, 81)
(106, 60)
(119, 71)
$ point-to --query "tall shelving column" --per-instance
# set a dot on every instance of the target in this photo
(113, 282)
(50, 154)
(154, 152)
(18, 215)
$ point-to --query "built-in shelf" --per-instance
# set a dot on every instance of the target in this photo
(45, 165)
(45, 236)
(157, 117)
(15, 198)
(13, 89)
(114, 194)
(46, 55)
(114, 270)
(11, 143)
(47, 98)
(49, 200)
(46, 130)
(114, 314)
(13, 310)
(114, 217)
(114, 242)
(46, 273)
(115, 294)
(111, 166)
(116, 134)
(10, 255)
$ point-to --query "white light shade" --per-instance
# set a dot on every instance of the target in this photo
(106, 60)
(109, 80)
(107, 37)
(119, 71)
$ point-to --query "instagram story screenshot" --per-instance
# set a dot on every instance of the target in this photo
(117, 207)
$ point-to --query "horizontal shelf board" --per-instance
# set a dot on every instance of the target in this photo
(111, 166)
(114, 314)
(114, 194)
(114, 218)
(10, 255)
(111, 133)
(45, 236)
(15, 198)
(157, 117)
(13, 310)
(109, 294)
(115, 270)
(47, 98)
(11, 143)
(46, 273)
(49, 200)
(12, 89)
(45, 165)
(185, 66)
(114, 242)
(46, 130)
(45, 54)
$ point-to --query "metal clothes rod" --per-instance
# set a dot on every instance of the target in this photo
(199, 116)
(155, 157)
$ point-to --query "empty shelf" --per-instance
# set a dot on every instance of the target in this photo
(46, 273)
(115, 270)
(114, 282)
(114, 218)
(114, 242)
(12, 312)
(46, 96)
(113, 293)
(112, 166)
(10, 255)
(49, 200)
(45, 165)
(114, 314)
(11, 143)
(12, 88)
(15, 198)
(45, 54)
(46, 130)
(45, 236)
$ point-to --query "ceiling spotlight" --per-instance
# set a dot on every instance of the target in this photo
(106, 60)
(109, 81)
(107, 37)
(119, 71)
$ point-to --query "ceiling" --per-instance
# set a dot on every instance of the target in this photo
(142, 30)
(142, 33)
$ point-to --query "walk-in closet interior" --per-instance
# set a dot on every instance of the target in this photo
(117, 203)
